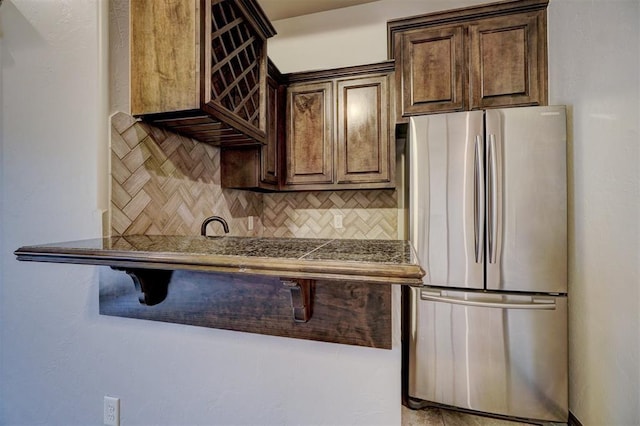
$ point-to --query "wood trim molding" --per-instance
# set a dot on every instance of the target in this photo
(357, 70)
(258, 18)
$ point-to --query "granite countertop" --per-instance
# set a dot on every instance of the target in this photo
(375, 261)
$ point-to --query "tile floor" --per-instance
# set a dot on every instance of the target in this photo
(440, 417)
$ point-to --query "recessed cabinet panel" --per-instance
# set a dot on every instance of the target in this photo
(436, 56)
(501, 47)
(360, 129)
(504, 61)
(309, 134)
(432, 72)
(363, 130)
(270, 164)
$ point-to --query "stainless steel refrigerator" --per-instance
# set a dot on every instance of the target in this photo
(488, 218)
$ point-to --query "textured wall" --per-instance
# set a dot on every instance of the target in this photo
(594, 67)
(53, 145)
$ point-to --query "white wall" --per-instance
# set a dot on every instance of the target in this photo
(58, 357)
(594, 68)
(351, 36)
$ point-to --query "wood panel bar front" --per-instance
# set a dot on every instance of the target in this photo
(352, 313)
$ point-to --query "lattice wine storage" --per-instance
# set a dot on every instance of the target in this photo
(236, 53)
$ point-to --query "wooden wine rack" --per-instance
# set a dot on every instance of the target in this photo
(212, 80)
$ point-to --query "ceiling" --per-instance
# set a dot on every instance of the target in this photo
(282, 9)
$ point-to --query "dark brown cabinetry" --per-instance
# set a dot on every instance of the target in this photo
(338, 129)
(333, 132)
(484, 56)
(309, 135)
(259, 167)
(271, 157)
(508, 61)
(198, 67)
(431, 67)
(364, 148)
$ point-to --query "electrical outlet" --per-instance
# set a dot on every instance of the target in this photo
(111, 411)
(337, 221)
(250, 223)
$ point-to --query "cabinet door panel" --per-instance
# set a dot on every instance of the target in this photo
(432, 70)
(309, 134)
(161, 82)
(270, 158)
(504, 58)
(363, 130)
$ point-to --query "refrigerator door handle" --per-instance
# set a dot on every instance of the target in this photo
(478, 199)
(538, 304)
(492, 200)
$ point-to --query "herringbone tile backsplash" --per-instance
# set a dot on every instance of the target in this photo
(366, 214)
(164, 183)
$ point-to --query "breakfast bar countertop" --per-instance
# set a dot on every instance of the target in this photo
(375, 261)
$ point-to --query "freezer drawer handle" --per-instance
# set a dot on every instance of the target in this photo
(543, 304)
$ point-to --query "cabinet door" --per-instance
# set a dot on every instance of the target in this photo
(507, 61)
(309, 141)
(164, 63)
(270, 158)
(364, 145)
(432, 66)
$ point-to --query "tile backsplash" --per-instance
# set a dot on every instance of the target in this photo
(164, 183)
(368, 214)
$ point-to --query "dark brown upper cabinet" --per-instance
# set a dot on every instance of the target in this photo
(271, 164)
(432, 69)
(338, 132)
(260, 167)
(364, 140)
(199, 67)
(333, 132)
(338, 129)
(508, 63)
(492, 55)
(310, 134)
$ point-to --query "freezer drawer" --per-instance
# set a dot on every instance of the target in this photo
(495, 353)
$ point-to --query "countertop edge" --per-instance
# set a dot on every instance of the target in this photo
(373, 272)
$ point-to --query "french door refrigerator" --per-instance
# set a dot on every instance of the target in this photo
(488, 218)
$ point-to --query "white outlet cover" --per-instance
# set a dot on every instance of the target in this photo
(111, 411)
(337, 221)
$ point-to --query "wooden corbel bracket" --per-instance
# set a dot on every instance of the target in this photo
(301, 297)
(153, 284)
